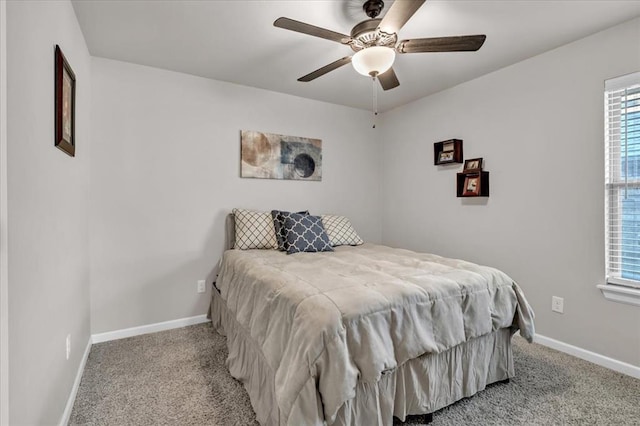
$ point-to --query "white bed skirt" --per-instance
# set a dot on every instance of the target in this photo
(420, 386)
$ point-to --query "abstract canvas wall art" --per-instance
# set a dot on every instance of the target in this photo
(272, 156)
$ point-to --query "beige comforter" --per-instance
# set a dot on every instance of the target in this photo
(353, 314)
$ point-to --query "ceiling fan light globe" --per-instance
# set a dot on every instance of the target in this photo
(373, 60)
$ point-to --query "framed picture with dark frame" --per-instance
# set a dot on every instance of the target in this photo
(472, 165)
(65, 104)
(471, 186)
(447, 152)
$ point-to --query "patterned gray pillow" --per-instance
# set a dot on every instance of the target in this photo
(278, 224)
(305, 233)
(340, 231)
(254, 230)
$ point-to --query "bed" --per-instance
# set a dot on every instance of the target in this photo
(362, 334)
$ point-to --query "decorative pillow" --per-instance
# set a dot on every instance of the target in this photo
(278, 224)
(305, 233)
(254, 230)
(340, 231)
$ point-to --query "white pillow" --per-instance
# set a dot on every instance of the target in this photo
(254, 230)
(340, 231)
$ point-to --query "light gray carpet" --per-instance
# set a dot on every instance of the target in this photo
(178, 377)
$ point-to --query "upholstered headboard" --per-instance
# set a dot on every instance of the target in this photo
(230, 232)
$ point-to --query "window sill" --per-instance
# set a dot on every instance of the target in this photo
(616, 293)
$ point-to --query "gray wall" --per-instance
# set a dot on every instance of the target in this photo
(539, 126)
(48, 200)
(4, 299)
(165, 167)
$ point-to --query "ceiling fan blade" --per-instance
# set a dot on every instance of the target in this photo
(301, 27)
(388, 79)
(469, 43)
(398, 15)
(327, 68)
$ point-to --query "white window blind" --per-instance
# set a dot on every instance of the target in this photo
(622, 180)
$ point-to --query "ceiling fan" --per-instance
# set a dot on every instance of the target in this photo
(375, 41)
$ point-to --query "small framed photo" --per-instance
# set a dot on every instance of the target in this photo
(445, 157)
(447, 152)
(471, 186)
(65, 104)
(473, 165)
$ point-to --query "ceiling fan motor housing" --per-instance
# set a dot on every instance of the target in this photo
(366, 34)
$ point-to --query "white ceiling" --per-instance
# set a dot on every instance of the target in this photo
(236, 41)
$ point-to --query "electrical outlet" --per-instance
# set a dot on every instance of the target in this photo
(201, 286)
(557, 304)
(68, 346)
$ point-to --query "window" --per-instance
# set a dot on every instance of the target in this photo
(622, 180)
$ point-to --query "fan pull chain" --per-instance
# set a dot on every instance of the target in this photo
(375, 101)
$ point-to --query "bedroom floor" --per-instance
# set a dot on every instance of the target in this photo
(178, 377)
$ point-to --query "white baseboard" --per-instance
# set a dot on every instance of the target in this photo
(76, 384)
(601, 360)
(146, 329)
